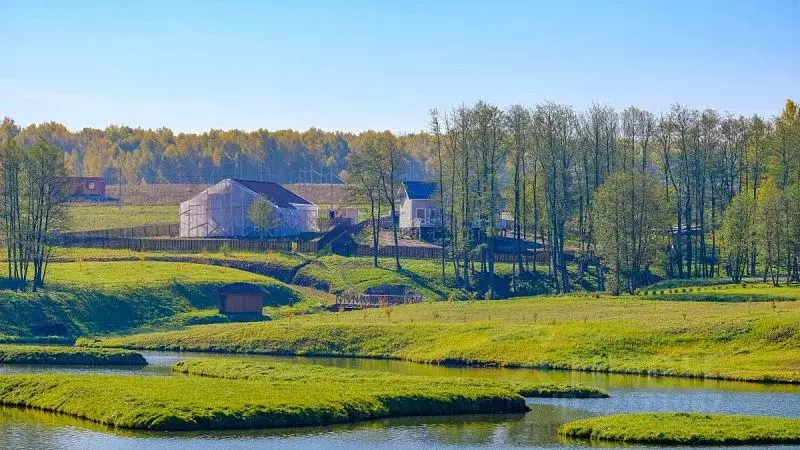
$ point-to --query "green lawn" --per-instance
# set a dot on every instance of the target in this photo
(685, 429)
(279, 371)
(100, 217)
(59, 355)
(740, 341)
(750, 292)
(204, 403)
(84, 298)
(279, 265)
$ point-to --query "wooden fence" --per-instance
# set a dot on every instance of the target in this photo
(154, 230)
(359, 301)
(188, 245)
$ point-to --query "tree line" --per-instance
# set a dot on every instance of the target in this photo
(128, 155)
(691, 193)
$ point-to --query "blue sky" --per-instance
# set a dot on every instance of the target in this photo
(354, 65)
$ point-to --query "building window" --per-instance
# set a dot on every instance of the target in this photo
(90, 185)
(420, 213)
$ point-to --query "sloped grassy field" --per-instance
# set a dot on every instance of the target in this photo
(99, 297)
(736, 341)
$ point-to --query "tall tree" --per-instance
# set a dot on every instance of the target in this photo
(736, 234)
(630, 246)
(393, 159)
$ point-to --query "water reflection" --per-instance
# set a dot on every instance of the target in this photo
(28, 429)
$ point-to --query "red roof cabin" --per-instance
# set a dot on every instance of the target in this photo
(89, 187)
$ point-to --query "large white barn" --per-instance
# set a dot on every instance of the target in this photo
(222, 210)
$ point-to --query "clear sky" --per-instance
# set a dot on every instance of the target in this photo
(380, 64)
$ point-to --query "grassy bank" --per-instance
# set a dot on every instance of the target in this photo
(201, 403)
(99, 217)
(357, 274)
(748, 292)
(685, 429)
(60, 355)
(84, 298)
(276, 371)
(736, 341)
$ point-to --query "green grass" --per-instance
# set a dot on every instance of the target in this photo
(100, 217)
(687, 282)
(735, 341)
(753, 292)
(60, 355)
(203, 403)
(85, 298)
(277, 371)
(685, 429)
(278, 265)
(336, 273)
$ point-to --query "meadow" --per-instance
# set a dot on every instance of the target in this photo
(97, 217)
(279, 371)
(685, 429)
(334, 273)
(357, 274)
(722, 340)
(84, 298)
(204, 403)
(746, 292)
(61, 355)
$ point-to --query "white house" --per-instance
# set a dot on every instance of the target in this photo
(222, 210)
(418, 208)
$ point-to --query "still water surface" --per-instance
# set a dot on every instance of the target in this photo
(24, 429)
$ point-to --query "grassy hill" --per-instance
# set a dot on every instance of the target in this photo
(725, 340)
(99, 297)
(334, 273)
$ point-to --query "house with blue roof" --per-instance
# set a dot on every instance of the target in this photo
(419, 209)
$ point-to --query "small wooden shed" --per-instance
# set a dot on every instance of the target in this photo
(241, 299)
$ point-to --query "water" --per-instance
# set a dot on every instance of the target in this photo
(26, 429)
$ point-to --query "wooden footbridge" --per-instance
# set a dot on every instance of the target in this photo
(350, 301)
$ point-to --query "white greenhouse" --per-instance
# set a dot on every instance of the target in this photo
(222, 211)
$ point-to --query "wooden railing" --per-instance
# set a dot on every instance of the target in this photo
(191, 245)
(358, 301)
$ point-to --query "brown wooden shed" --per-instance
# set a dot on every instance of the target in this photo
(241, 299)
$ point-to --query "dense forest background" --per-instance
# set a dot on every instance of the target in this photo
(136, 155)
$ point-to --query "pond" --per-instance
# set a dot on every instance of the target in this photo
(25, 429)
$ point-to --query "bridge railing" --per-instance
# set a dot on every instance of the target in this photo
(375, 300)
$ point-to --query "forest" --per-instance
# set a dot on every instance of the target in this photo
(685, 194)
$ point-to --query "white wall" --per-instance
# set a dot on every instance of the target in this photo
(221, 211)
(408, 211)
